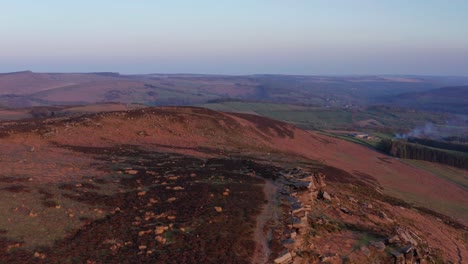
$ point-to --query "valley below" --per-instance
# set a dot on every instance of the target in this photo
(234, 132)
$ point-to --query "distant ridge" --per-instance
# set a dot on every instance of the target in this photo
(27, 88)
(450, 99)
(112, 74)
(17, 72)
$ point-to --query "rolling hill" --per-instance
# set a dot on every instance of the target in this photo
(26, 89)
(446, 99)
(187, 184)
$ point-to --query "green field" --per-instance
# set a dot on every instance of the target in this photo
(371, 119)
(452, 174)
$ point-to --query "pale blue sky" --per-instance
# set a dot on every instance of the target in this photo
(236, 37)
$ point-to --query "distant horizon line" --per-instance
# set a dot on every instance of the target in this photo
(234, 75)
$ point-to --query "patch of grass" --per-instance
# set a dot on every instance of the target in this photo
(449, 173)
(41, 215)
(321, 222)
(26, 219)
(381, 119)
(364, 240)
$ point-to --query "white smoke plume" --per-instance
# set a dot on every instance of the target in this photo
(429, 130)
(437, 132)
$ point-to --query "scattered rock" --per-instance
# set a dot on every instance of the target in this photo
(32, 214)
(299, 212)
(285, 258)
(319, 179)
(300, 185)
(160, 239)
(300, 260)
(142, 233)
(311, 185)
(407, 249)
(160, 230)
(365, 250)
(326, 196)
(39, 255)
(398, 257)
(293, 235)
(142, 133)
(392, 240)
(287, 241)
(331, 259)
(17, 245)
(379, 246)
(345, 210)
(161, 215)
(383, 215)
(407, 237)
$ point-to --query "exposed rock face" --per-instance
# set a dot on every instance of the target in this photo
(408, 236)
(313, 215)
(319, 179)
(407, 255)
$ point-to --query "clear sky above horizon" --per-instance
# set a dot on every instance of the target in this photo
(427, 37)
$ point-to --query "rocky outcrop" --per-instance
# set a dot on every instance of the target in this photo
(317, 210)
(407, 255)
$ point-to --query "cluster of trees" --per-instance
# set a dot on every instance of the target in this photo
(406, 150)
(40, 112)
(459, 139)
(439, 144)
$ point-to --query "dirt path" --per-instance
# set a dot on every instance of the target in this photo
(262, 251)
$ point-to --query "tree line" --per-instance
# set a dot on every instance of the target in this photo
(439, 144)
(407, 150)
